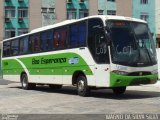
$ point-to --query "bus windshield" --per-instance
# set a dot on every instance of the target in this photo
(131, 43)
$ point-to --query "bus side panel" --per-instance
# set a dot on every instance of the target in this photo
(89, 71)
(51, 68)
(15, 78)
(11, 69)
(45, 79)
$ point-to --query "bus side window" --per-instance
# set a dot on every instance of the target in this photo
(6, 49)
(43, 38)
(15, 47)
(49, 40)
(23, 45)
(82, 34)
(56, 39)
(46, 40)
(77, 35)
(29, 45)
(74, 38)
(63, 37)
(60, 36)
(35, 42)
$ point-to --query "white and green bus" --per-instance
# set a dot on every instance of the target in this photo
(93, 52)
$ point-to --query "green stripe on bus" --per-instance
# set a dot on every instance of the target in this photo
(11, 67)
(54, 64)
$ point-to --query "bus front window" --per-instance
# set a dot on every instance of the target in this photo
(131, 43)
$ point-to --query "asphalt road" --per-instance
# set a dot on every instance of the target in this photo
(4, 82)
(43, 100)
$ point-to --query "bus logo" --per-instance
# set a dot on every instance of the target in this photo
(74, 60)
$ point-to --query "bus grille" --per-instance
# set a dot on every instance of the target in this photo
(140, 81)
(139, 73)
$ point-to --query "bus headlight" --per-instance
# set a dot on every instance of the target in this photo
(120, 72)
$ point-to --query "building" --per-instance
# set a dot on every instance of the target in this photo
(16, 20)
(52, 11)
(107, 7)
(124, 8)
(149, 11)
(158, 22)
(41, 15)
(35, 18)
(77, 9)
(48, 12)
(21, 16)
(145, 9)
(1, 22)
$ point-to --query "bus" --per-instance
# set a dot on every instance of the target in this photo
(90, 53)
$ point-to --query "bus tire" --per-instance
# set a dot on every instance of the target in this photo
(119, 90)
(55, 87)
(82, 87)
(25, 84)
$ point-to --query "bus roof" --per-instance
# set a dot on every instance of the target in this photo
(103, 17)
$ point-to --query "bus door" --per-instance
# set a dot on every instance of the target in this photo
(97, 44)
(102, 59)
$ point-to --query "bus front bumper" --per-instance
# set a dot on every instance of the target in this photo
(122, 80)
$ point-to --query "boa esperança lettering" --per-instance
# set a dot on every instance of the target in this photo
(48, 61)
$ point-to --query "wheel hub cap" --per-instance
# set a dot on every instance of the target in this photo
(24, 82)
(81, 85)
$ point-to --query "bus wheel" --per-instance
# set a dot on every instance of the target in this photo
(25, 84)
(82, 87)
(119, 90)
(52, 86)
